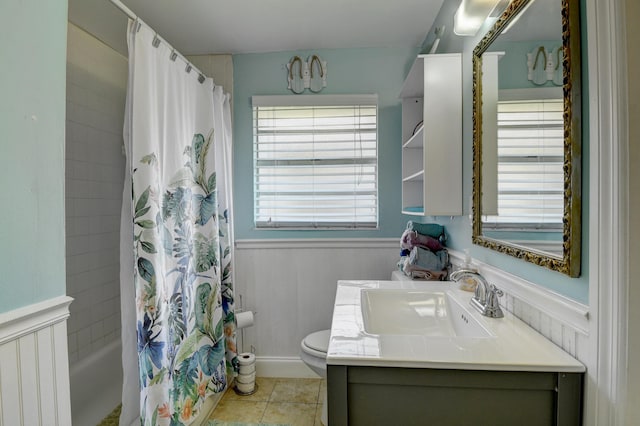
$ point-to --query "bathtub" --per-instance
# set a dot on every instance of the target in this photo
(96, 385)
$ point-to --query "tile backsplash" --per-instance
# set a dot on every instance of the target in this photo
(559, 319)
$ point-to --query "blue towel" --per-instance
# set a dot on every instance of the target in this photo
(426, 259)
(431, 229)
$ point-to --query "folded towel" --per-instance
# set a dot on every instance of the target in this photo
(430, 229)
(411, 239)
(426, 259)
(425, 264)
(423, 274)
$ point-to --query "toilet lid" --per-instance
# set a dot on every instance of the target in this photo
(318, 341)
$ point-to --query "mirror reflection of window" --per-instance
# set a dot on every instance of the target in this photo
(530, 155)
(530, 178)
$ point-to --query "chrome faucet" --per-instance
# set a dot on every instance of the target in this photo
(485, 298)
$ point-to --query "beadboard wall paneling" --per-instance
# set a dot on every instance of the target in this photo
(291, 285)
(34, 371)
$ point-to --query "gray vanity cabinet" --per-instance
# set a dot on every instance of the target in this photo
(411, 396)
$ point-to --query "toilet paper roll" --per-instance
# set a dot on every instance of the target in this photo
(245, 387)
(246, 378)
(247, 369)
(246, 358)
(244, 319)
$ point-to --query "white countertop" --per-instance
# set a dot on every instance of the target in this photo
(513, 346)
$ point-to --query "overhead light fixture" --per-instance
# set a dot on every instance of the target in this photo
(471, 15)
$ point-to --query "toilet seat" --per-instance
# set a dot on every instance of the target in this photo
(318, 341)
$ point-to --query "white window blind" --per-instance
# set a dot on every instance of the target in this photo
(530, 164)
(315, 161)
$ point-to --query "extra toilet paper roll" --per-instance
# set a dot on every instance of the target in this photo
(246, 358)
(244, 319)
(245, 387)
(246, 378)
(247, 369)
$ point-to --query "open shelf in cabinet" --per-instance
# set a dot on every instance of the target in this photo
(432, 136)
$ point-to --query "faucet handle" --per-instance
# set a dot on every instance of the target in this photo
(495, 290)
(492, 305)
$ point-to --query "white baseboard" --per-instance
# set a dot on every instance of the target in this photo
(290, 367)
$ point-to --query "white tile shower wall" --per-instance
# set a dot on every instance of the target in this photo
(96, 90)
(291, 285)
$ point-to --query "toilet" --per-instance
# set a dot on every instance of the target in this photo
(314, 354)
(399, 276)
(314, 349)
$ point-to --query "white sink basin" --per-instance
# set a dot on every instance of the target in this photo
(414, 312)
(426, 324)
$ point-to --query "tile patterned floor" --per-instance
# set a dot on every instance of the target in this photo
(297, 402)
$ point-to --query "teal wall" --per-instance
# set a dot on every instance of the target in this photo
(382, 71)
(350, 71)
(32, 127)
(459, 228)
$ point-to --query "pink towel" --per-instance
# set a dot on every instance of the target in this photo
(411, 239)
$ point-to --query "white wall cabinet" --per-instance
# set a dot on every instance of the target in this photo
(432, 136)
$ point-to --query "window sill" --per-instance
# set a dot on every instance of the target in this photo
(381, 243)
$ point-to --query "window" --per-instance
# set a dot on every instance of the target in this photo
(315, 161)
(530, 165)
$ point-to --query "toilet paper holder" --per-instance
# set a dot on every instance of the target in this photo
(241, 309)
(244, 319)
(238, 311)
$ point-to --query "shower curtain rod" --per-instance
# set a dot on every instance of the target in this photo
(174, 53)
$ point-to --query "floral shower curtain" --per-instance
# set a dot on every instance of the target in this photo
(176, 242)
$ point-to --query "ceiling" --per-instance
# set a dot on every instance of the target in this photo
(542, 20)
(252, 26)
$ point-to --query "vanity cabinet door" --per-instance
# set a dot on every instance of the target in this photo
(406, 396)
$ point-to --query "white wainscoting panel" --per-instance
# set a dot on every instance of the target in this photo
(34, 370)
(291, 286)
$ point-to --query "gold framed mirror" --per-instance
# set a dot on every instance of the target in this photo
(527, 135)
